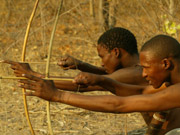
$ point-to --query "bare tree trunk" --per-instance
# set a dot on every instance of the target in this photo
(171, 6)
(171, 12)
(112, 13)
(104, 14)
(171, 9)
(91, 8)
(8, 6)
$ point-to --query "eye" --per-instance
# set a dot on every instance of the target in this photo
(145, 67)
(101, 56)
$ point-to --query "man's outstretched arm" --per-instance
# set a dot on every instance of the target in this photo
(69, 62)
(24, 68)
(70, 86)
(164, 100)
(124, 76)
(111, 85)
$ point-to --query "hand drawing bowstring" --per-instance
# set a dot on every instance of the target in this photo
(47, 65)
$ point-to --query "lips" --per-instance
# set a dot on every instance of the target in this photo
(149, 81)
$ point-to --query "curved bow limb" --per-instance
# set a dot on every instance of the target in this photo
(23, 59)
(48, 62)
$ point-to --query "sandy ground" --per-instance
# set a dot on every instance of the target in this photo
(66, 120)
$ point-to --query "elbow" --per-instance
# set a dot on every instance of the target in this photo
(117, 105)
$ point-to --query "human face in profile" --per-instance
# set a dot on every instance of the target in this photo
(153, 69)
(110, 61)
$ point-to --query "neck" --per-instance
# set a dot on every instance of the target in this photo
(175, 74)
(132, 60)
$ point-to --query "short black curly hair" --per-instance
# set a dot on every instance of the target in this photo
(120, 38)
(162, 46)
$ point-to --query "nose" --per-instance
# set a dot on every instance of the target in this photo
(144, 74)
(102, 64)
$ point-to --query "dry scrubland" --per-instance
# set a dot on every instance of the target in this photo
(76, 34)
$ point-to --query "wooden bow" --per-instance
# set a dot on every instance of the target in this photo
(23, 59)
(47, 64)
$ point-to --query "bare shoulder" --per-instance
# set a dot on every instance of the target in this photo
(150, 90)
(174, 90)
(170, 96)
(130, 75)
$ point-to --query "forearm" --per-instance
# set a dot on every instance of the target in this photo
(93, 103)
(85, 67)
(120, 89)
(69, 86)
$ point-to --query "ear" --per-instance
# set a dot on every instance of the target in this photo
(166, 63)
(117, 52)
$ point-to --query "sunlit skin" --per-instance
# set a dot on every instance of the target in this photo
(154, 70)
(127, 97)
(126, 74)
(47, 90)
(110, 59)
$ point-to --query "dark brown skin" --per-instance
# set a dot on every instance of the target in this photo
(122, 75)
(160, 101)
(18, 69)
(123, 70)
(149, 102)
(69, 62)
(21, 68)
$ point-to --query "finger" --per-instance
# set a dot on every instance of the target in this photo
(66, 68)
(31, 77)
(17, 72)
(72, 67)
(69, 67)
(74, 81)
(83, 86)
(29, 82)
(27, 86)
(9, 62)
(13, 67)
(18, 75)
(64, 58)
(78, 80)
(82, 79)
(62, 63)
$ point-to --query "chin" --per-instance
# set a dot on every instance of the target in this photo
(109, 71)
(156, 86)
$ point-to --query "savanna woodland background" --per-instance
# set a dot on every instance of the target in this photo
(80, 24)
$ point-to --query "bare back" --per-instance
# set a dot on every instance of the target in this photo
(129, 75)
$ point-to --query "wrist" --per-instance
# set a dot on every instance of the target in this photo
(60, 96)
(79, 64)
(100, 80)
(56, 96)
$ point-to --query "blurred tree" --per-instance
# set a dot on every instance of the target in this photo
(112, 13)
(91, 8)
(107, 10)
